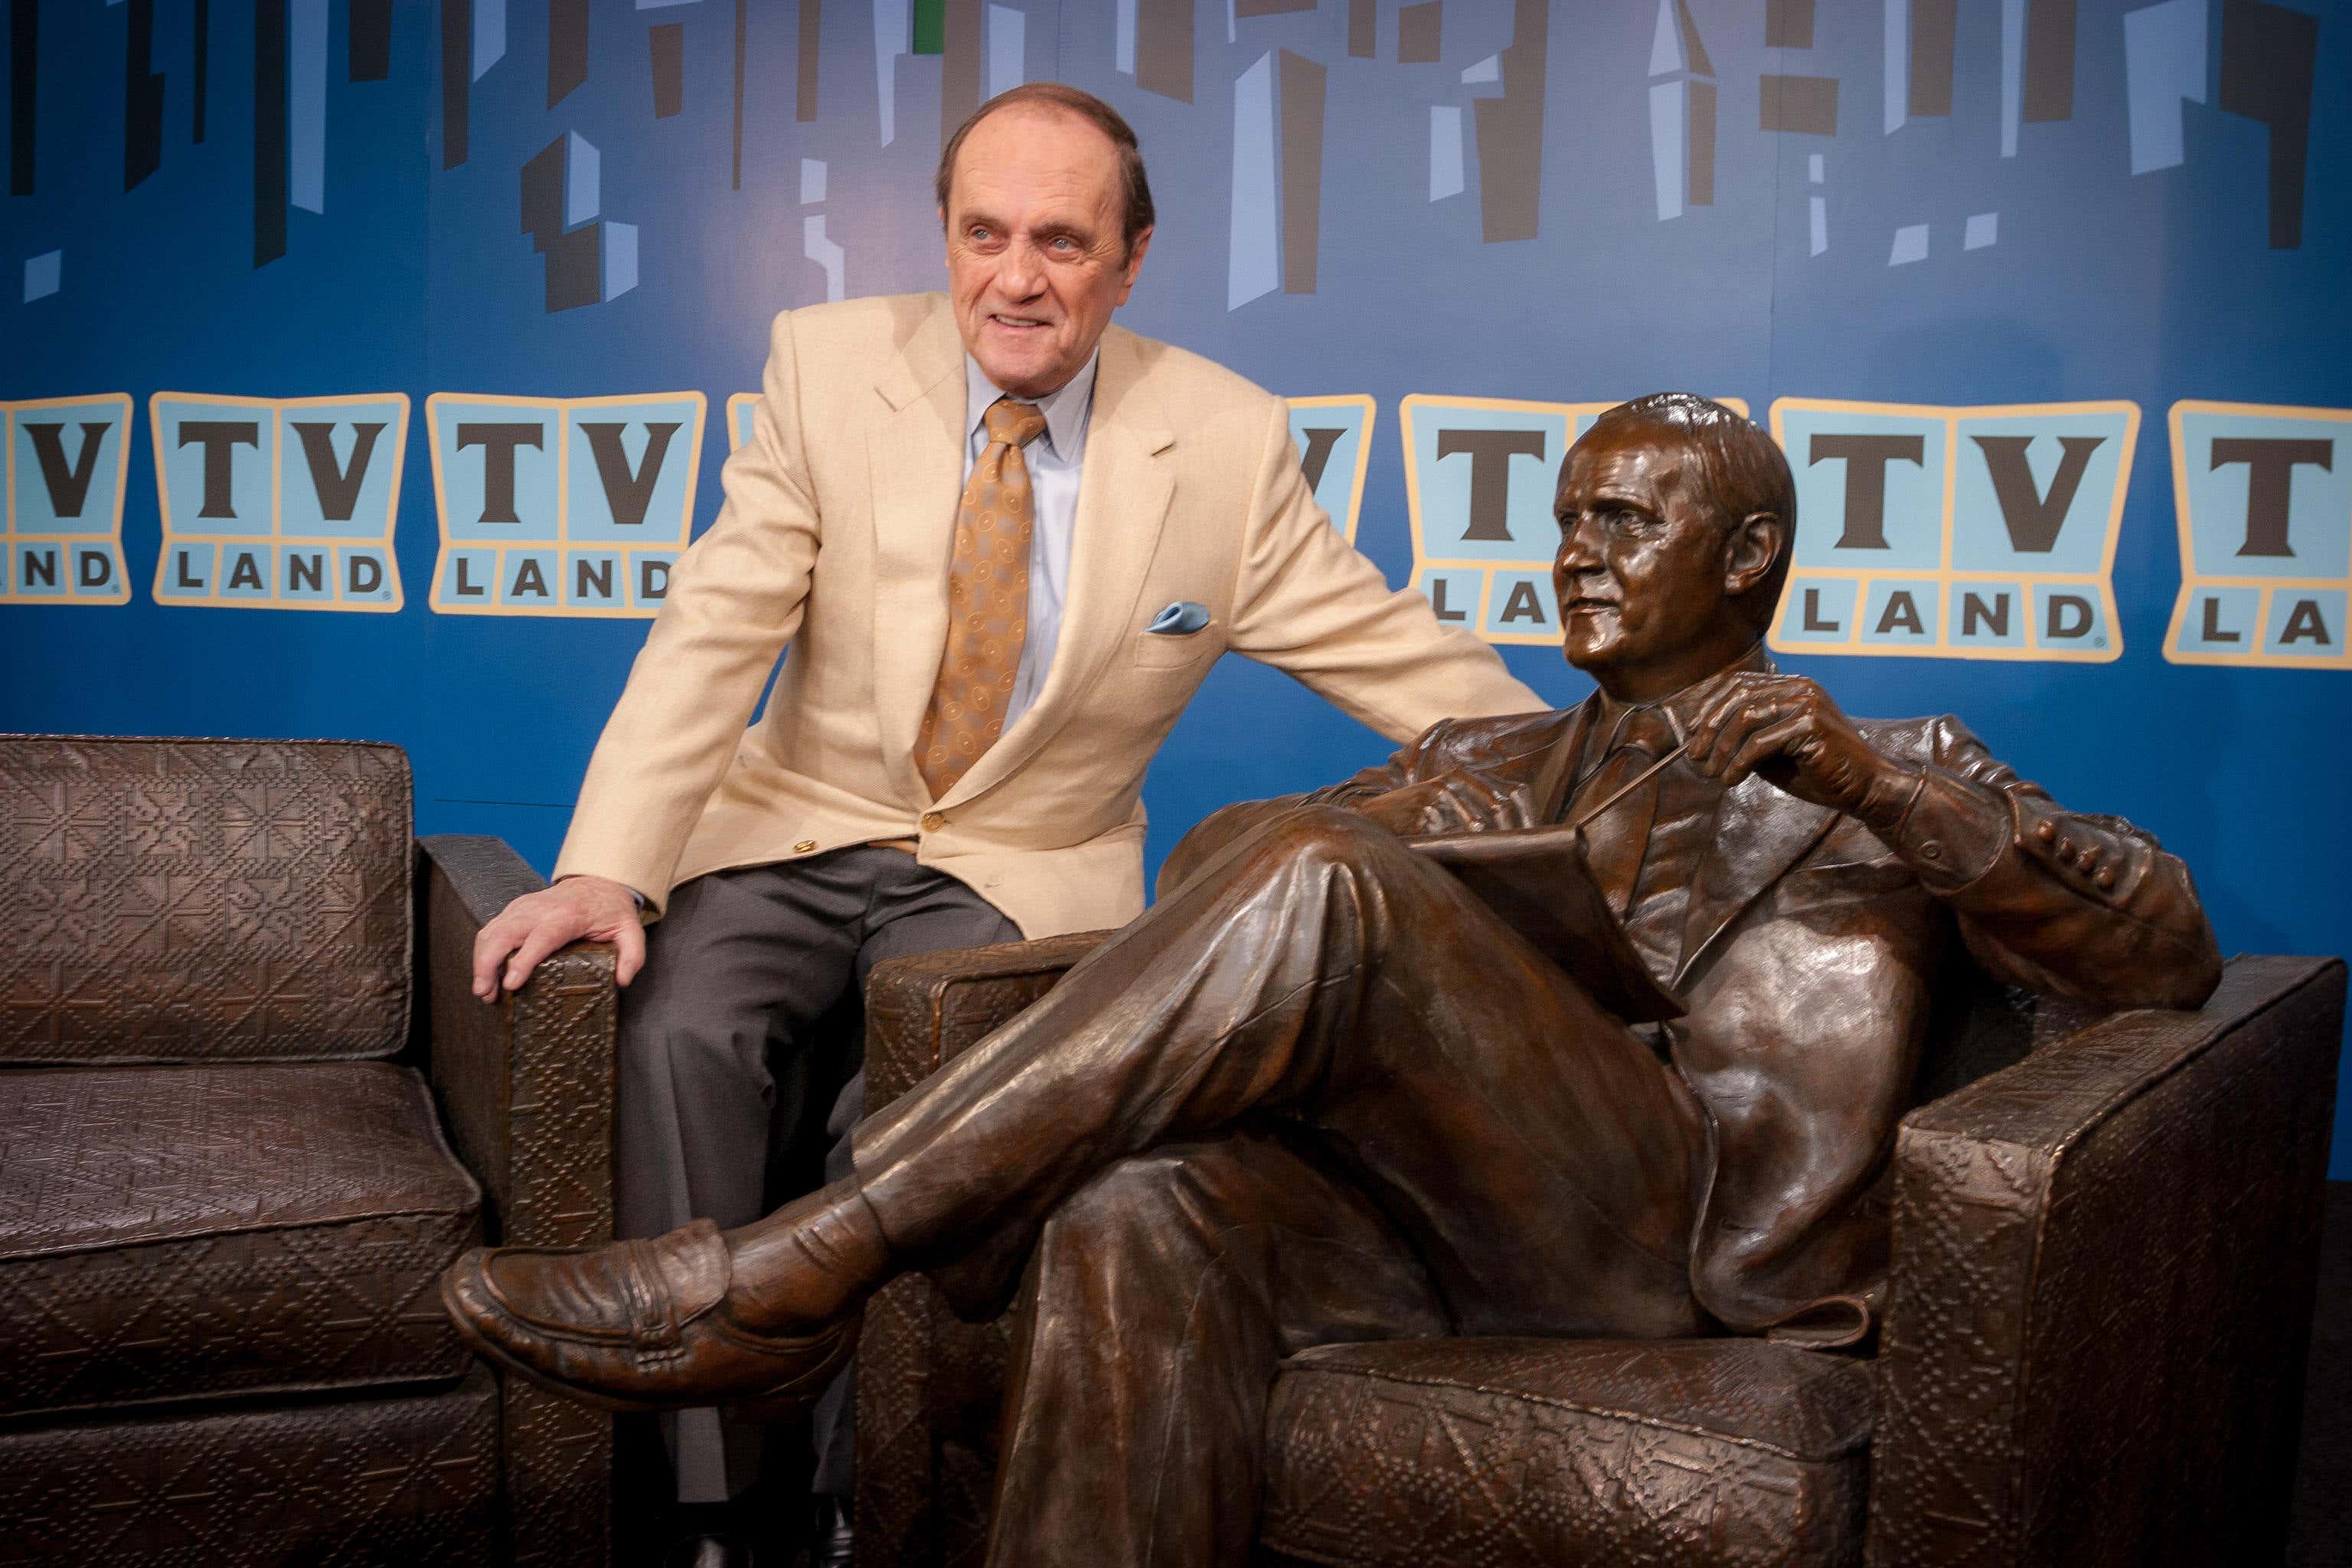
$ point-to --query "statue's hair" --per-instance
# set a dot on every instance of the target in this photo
(1135, 191)
(1741, 469)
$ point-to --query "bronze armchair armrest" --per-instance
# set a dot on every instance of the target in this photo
(2103, 1265)
(922, 1012)
(926, 1383)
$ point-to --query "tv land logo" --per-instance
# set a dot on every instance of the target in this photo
(68, 464)
(562, 506)
(1334, 448)
(1961, 532)
(1334, 436)
(1478, 478)
(2264, 497)
(278, 503)
(1985, 532)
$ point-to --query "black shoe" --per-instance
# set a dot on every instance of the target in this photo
(832, 1543)
(711, 1550)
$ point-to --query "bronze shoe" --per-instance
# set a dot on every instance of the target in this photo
(639, 1325)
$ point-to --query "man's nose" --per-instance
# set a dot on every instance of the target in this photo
(1023, 272)
(1579, 550)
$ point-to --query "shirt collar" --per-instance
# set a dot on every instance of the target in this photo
(1681, 708)
(1066, 410)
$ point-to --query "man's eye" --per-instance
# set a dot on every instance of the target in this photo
(979, 236)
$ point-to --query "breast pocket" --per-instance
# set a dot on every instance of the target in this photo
(1163, 650)
(1823, 886)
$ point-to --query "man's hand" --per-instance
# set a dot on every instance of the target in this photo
(1787, 729)
(1450, 802)
(577, 908)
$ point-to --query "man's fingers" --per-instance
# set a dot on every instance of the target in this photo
(1744, 692)
(545, 937)
(630, 941)
(1763, 745)
(1481, 804)
(491, 945)
(1712, 750)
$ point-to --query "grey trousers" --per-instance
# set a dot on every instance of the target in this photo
(740, 967)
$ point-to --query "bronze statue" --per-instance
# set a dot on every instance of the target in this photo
(1324, 1091)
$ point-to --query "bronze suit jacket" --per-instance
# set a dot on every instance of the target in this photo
(1810, 951)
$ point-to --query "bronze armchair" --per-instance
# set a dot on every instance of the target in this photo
(233, 990)
(2104, 1234)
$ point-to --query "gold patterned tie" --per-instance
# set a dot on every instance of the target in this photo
(988, 602)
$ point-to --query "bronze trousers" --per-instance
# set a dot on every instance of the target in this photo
(1318, 1093)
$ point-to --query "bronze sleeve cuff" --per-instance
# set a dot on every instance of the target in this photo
(1947, 830)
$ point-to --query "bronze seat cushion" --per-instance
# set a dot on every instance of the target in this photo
(175, 1231)
(1508, 1452)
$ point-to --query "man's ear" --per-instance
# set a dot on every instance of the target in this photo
(1134, 263)
(1756, 542)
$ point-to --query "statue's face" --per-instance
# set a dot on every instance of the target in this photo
(1647, 567)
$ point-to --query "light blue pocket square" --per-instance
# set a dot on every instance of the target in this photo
(1179, 619)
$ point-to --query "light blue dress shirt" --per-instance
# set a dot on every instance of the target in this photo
(1052, 461)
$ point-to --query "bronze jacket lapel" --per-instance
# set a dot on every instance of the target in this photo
(1761, 832)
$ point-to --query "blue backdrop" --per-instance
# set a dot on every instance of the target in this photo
(1960, 215)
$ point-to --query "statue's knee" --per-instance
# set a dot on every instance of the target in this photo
(1329, 835)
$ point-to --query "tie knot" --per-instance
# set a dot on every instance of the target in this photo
(1012, 424)
(1646, 730)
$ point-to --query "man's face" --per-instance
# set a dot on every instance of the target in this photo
(1646, 570)
(1036, 261)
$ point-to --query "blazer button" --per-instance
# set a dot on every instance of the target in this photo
(933, 822)
(2045, 832)
(2106, 879)
(2066, 849)
(1931, 850)
(804, 846)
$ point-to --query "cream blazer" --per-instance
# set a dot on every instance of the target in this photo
(834, 540)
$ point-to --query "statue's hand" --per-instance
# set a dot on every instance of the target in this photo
(1787, 729)
(1450, 802)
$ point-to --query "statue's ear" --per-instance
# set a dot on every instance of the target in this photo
(1758, 541)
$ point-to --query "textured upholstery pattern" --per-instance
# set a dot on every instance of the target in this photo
(174, 1231)
(411, 1481)
(1537, 1452)
(2107, 1261)
(527, 1085)
(2103, 1278)
(181, 900)
(927, 1385)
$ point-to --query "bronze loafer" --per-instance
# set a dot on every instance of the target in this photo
(638, 1325)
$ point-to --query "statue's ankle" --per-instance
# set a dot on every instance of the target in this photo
(808, 1263)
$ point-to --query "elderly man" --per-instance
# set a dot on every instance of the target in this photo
(1322, 1092)
(1005, 542)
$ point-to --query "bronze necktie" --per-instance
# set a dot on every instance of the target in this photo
(1616, 840)
(988, 602)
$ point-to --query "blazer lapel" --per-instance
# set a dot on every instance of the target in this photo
(915, 459)
(1123, 498)
(1761, 831)
(1558, 773)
